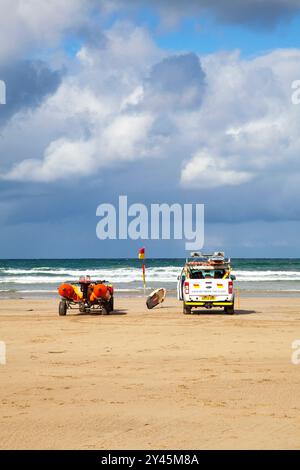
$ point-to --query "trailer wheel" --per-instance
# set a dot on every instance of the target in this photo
(187, 310)
(111, 305)
(82, 308)
(62, 308)
(105, 310)
(229, 309)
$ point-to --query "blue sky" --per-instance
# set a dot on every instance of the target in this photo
(187, 103)
(204, 34)
(207, 36)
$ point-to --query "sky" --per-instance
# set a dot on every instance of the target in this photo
(188, 101)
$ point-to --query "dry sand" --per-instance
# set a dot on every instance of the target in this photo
(150, 379)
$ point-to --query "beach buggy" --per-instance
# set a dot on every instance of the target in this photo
(206, 281)
(86, 295)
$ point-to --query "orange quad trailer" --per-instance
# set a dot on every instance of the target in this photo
(86, 295)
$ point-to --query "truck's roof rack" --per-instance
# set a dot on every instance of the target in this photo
(216, 258)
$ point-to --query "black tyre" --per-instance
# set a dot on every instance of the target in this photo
(105, 310)
(62, 308)
(229, 309)
(187, 310)
(82, 308)
(111, 305)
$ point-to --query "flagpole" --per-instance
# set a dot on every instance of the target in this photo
(144, 278)
(142, 257)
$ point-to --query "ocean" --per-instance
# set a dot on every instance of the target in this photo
(40, 278)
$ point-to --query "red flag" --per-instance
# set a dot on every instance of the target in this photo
(142, 256)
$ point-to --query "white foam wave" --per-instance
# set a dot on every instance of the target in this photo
(127, 275)
(260, 275)
(118, 275)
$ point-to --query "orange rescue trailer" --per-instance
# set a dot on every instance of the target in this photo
(100, 291)
(87, 295)
(70, 292)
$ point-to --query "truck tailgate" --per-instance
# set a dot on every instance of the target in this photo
(208, 287)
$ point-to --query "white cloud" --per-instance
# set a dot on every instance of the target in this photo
(126, 137)
(62, 160)
(205, 171)
(247, 122)
(122, 140)
(115, 106)
(89, 123)
(36, 24)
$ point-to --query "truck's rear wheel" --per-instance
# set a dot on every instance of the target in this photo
(229, 309)
(62, 308)
(187, 309)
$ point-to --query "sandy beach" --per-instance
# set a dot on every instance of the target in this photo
(150, 379)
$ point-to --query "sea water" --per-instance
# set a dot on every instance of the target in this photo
(40, 278)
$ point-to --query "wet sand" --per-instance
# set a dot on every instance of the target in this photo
(150, 379)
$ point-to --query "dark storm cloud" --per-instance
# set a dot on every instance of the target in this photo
(177, 81)
(27, 84)
(263, 13)
(254, 12)
(175, 73)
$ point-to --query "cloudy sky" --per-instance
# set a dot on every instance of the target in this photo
(186, 101)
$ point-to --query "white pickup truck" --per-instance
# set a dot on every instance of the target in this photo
(206, 281)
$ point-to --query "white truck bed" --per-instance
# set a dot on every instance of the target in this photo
(207, 287)
(196, 289)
